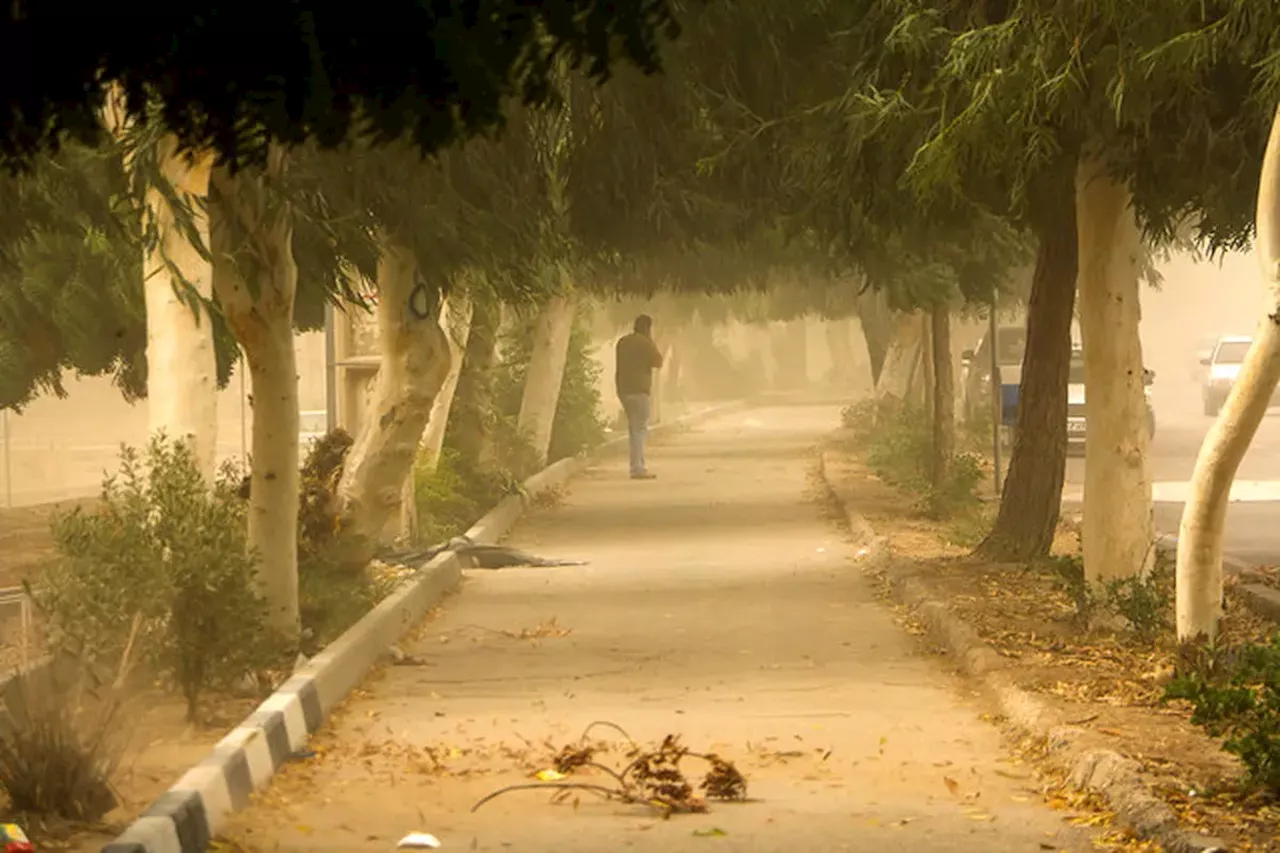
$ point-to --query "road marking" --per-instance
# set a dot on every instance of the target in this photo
(1177, 491)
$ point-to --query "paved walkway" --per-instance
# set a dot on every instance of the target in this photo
(719, 604)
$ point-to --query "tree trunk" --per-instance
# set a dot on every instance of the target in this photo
(899, 377)
(1117, 530)
(790, 342)
(455, 319)
(545, 374)
(1032, 498)
(840, 346)
(468, 425)
(877, 323)
(944, 397)
(254, 237)
(182, 383)
(414, 365)
(927, 366)
(1199, 580)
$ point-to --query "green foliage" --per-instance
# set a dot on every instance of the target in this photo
(578, 425)
(1144, 602)
(159, 573)
(1237, 696)
(462, 64)
(59, 752)
(897, 442)
(452, 495)
(1068, 571)
(335, 588)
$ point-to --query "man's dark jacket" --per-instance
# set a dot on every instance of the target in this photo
(637, 358)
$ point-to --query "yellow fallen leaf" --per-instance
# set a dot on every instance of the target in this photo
(549, 775)
(952, 785)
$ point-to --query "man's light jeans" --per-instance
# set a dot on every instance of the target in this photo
(636, 407)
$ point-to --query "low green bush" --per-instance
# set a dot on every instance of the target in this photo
(452, 495)
(1236, 696)
(158, 573)
(335, 588)
(896, 440)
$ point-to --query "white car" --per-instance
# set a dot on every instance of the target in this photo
(1223, 367)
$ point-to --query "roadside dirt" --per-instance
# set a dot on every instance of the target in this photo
(25, 541)
(1106, 681)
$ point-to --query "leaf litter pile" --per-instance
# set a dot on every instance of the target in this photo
(654, 776)
(1098, 675)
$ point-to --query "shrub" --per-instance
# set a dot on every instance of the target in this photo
(159, 573)
(452, 495)
(57, 756)
(1237, 697)
(334, 587)
(1070, 578)
(578, 425)
(897, 442)
(1144, 602)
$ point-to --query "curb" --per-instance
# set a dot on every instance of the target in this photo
(1101, 771)
(1262, 599)
(187, 817)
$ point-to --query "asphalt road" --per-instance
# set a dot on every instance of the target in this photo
(1253, 519)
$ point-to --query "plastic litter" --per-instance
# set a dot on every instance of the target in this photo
(418, 841)
(14, 839)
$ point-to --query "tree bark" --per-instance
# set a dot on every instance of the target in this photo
(840, 346)
(1199, 574)
(546, 372)
(455, 319)
(877, 329)
(899, 378)
(1032, 497)
(790, 343)
(468, 432)
(414, 365)
(254, 237)
(182, 384)
(944, 397)
(1117, 530)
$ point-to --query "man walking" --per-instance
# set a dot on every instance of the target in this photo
(637, 358)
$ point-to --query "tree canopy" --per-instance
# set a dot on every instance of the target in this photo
(237, 77)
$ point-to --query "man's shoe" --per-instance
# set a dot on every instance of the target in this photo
(644, 475)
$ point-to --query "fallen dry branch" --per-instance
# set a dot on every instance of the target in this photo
(653, 777)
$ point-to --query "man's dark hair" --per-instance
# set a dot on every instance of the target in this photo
(644, 323)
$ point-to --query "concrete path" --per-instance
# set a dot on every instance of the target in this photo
(720, 604)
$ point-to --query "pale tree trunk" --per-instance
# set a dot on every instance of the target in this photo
(545, 373)
(877, 323)
(943, 394)
(790, 343)
(455, 319)
(253, 236)
(182, 372)
(1117, 531)
(1199, 579)
(473, 397)
(413, 367)
(182, 382)
(899, 379)
(927, 366)
(840, 346)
